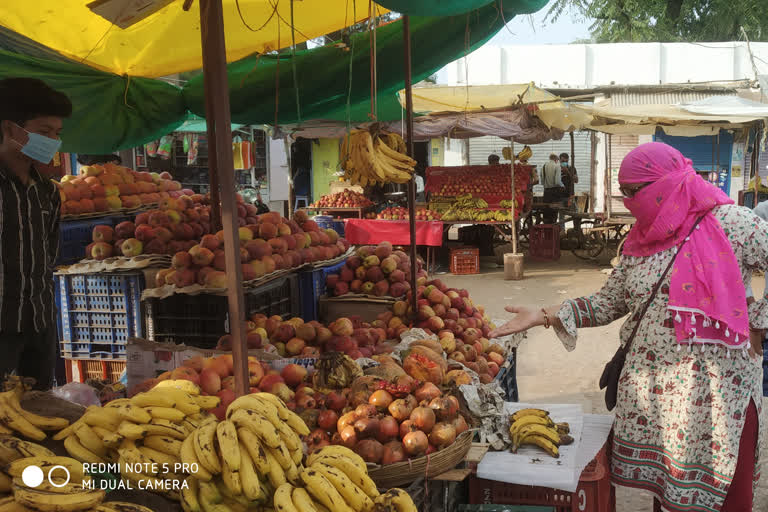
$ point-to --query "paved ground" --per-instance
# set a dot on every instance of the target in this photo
(546, 372)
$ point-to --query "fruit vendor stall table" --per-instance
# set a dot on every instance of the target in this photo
(375, 231)
(352, 213)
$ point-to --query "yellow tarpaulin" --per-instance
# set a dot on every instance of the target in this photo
(168, 41)
(554, 112)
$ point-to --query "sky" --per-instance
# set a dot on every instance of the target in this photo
(531, 29)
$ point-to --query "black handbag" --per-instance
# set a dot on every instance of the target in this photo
(609, 380)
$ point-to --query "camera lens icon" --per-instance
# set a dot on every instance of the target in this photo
(33, 476)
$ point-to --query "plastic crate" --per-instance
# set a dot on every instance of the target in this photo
(594, 493)
(545, 242)
(312, 287)
(507, 377)
(80, 370)
(74, 237)
(328, 222)
(200, 320)
(98, 313)
(465, 260)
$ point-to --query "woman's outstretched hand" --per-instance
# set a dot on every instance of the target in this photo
(524, 319)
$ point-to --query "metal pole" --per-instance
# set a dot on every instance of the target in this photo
(409, 143)
(514, 221)
(220, 133)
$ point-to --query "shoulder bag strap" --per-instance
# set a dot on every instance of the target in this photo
(658, 285)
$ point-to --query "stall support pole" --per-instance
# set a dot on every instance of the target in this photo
(409, 143)
(220, 132)
(514, 221)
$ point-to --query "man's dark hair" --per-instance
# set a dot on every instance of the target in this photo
(22, 99)
(565, 155)
(98, 159)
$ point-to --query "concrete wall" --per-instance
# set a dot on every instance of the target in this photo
(325, 162)
(590, 65)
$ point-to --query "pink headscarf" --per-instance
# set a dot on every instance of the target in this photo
(706, 292)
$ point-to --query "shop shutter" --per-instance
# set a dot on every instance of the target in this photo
(481, 147)
(621, 145)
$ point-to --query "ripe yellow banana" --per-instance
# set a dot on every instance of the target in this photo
(160, 427)
(132, 431)
(76, 450)
(260, 405)
(349, 467)
(133, 413)
(283, 500)
(249, 478)
(189, 456)
(322, 490)
(189, 492)
(291, 418)
(164, 444)
(74, 466)
(205, 448)
(340, 451)
(163, 413)
(547, 432)
(12, 448)
(396, 499)
(131, 454)
(187, 386)
(352, 494)
(154, 399)
(302, 500)
(255, 449)
(55, 502)
(209, 495)
(159, 458)
(41, 422)
(12, 419)
(275, 475)
(121, 506)
(226, 434)
(529, 420)
(184, 402)
(285, 461)
(231, 478)
(207, 402)
(90, 440)
(259, 425)
(528, 412)
(543, 443)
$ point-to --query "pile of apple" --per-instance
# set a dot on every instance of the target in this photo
(375, 270)
(109, 187)
(383, 421)
(269, 243)
(427, 214)
(175, 226)
(393, 213)
(345, 199)
(296, 338)
(462, 327)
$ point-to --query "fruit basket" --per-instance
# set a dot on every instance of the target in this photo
(402, 473)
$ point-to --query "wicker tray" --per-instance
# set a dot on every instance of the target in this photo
(401, 473)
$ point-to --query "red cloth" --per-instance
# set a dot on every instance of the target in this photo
(397, 232)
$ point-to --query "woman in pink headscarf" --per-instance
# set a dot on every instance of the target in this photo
(689, 394)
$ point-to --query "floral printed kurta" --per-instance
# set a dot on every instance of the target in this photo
(680, 413)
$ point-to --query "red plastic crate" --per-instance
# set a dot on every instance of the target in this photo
(594, 493)
(465, 260)
(79, 370)
(545, 242)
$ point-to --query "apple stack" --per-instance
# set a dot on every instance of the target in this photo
(175, 226)
(109, 187)
(375, 270)
(345, 199)
(268, 244)
(393, 213)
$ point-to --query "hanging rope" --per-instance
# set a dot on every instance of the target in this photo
(293, 66)
(374, 114)
(351, 62)
(245, 23)
(277, 78)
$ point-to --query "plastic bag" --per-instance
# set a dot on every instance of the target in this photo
(78, 393)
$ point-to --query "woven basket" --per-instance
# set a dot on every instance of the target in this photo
(401, 473)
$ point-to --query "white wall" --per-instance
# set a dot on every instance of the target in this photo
(590, 65)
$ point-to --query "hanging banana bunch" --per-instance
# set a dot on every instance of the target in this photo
(375, 159)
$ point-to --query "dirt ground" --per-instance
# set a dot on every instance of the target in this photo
(546, 373)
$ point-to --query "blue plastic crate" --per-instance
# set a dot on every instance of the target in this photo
(312, 287)
(74, 236)
(507, 377)
(99, 312)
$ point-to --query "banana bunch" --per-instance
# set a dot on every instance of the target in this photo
(394, 500)
(245, 458)
(145, 431)
(335, 479)
(13, 449)
(507, 203)
(120, 506)
(335, 371)
(58, 492)
(468, 202)
(13, 418)
(368, 159)
(525, 154)
(535, 427)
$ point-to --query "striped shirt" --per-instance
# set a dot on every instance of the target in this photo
(29, 245)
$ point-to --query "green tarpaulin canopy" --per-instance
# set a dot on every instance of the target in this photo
(114, 112)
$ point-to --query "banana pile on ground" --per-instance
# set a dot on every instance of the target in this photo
(13, 418)
(535, 427)
(245, 458)
(143, 432)
(370, 159)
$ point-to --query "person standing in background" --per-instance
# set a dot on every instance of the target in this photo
(568, 175)
(553, 187)
(761, 210)
(493, 159)
(31, 119)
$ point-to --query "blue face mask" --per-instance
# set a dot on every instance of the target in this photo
(39, 147)
(563, 164)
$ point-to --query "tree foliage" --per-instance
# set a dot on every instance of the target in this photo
(669, 20)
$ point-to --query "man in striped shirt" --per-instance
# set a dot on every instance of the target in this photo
(31, 116)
